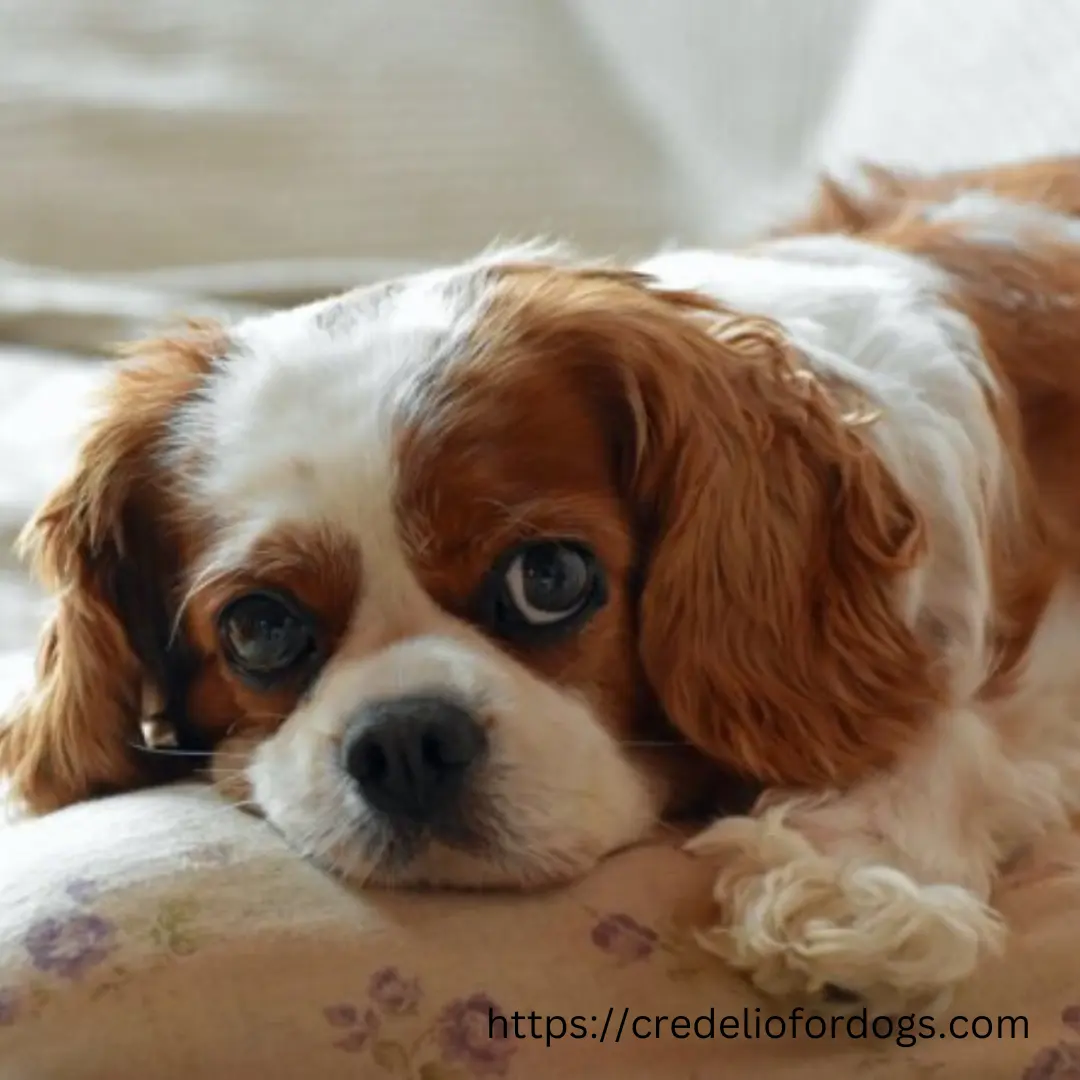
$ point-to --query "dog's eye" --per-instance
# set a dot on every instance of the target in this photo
(266, 636)
(545, 588)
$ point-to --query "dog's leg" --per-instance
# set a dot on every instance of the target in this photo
(882, 890)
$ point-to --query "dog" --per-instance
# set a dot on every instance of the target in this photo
(469, 579)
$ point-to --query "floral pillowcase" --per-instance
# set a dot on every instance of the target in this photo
(163, 934)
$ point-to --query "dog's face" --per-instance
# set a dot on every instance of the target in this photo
(422, 594)
(469, 578)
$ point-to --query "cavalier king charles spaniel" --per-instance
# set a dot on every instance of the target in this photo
(473, 577)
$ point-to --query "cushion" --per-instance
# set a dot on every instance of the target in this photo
(166, 934)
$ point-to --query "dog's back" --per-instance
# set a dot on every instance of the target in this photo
(880, 195)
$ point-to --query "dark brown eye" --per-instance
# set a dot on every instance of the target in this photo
(544, 589)
(266, 636)
(547, 583)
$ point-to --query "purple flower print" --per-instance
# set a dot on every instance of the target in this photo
(393, 993)
(623, 937)
(360, 1029)
(83, 890)
(1061, 1062)
(70, 947)
(9, 1007)
(467, 1036)
(341, 1015)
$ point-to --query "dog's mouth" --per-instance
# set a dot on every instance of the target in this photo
(425, 859)
(471, 826)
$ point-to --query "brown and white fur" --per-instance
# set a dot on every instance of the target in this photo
(829, 481)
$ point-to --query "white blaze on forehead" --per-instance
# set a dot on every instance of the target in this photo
(303, 407)
(296, 425)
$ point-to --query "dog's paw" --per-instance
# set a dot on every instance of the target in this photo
(805, 925)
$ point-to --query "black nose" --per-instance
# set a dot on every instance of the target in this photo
(410, 755)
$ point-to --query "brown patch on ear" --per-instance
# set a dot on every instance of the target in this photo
(772, 535)
(109, 543)
(769, 617)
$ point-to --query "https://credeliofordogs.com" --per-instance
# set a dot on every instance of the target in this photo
(618, 1025)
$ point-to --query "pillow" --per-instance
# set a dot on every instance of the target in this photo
(165, 934)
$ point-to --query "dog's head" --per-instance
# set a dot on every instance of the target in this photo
(468, 578)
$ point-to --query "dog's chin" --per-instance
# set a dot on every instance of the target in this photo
(484, 853)
(437, 865)
(481, 854)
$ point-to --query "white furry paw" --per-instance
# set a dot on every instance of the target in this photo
(801, 924)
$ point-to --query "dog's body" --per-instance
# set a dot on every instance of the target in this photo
(469, 578)
(955, 313)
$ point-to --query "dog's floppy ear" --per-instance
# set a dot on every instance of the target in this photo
(772, 537)
(107, 544)
(770, 620)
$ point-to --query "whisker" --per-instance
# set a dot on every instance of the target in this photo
(208, 755)
(168, 751)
